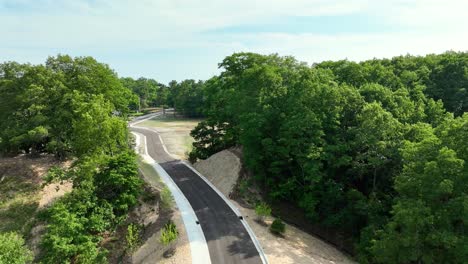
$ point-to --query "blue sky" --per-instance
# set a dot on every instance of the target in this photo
(179, 39)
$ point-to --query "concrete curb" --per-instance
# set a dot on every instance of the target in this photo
(236, 211)
(198, 246)
(226, 200)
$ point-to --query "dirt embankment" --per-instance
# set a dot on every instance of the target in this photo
(224, 169)
(22, 195)
(223, 177)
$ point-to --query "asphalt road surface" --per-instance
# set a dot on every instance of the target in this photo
(227, 239)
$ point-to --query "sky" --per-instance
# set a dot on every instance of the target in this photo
(181, 39)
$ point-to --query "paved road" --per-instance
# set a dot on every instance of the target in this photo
(227, 239)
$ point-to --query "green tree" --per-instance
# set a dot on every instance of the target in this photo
(427, 224)
(187, 97)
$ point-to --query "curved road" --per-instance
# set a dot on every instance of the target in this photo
(228, 240)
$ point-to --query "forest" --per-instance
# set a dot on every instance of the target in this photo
(374, 150)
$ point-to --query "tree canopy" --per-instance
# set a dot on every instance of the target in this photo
(69, 106)
(372, 150)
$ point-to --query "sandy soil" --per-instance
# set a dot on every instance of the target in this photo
(152, 251)
(296, 247)
(52, 192)
(28, 172)
(32, 170)
(223, 177)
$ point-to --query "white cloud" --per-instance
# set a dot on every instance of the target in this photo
(119, 30)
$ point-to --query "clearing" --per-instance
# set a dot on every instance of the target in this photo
(175, 132)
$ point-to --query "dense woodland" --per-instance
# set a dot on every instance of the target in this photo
(374, 150)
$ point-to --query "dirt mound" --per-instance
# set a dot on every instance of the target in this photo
(222, 169)
(22, 195)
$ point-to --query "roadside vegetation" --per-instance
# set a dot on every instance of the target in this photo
(277, 227)
(73, 108)
(263, 210)
(373, 153)
(13, 249)
(169, 235)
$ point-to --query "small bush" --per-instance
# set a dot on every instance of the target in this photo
(13, 250)
(192, 157)
(277, 227)
(169, 233)
(133, 236)
(262, 210)
(243, 187)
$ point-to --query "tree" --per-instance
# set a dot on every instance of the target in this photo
(187, 97)
(427, 224)
(330, 138)
(60, 106)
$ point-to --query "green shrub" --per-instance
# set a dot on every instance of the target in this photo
(133, 236)
(243, 187)
(70, 235)
(13, 250)
(277, 227)
(262, 210)
(169, 233)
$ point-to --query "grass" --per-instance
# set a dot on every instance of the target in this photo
(150, 174)
(135, 114)
(171, 122)
(18, 204)
(175, 131)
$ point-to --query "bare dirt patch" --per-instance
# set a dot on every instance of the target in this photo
(22, 195)
(295, 246)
